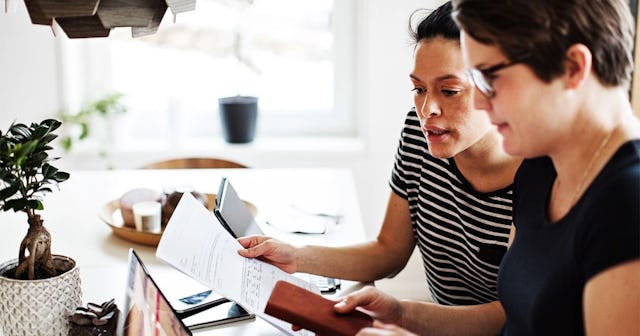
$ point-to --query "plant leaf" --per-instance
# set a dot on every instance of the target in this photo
(18, 204)
(52, 124)
(8, 191)
(61, 176)
(84, 130)
(35, 204)
(67, 143)
(25, 149)
(25, 174)
(20, 131)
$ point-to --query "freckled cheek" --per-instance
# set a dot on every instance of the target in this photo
(456, 110)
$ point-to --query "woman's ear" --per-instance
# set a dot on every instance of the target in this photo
(577, 65)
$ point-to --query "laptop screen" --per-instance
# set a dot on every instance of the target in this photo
(148, 312)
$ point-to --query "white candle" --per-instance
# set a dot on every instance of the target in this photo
(147, 216)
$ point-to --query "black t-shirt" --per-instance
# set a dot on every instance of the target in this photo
(543, 274)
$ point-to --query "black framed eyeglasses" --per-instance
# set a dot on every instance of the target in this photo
(483, 78)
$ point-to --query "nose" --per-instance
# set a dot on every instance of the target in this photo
(430, 108)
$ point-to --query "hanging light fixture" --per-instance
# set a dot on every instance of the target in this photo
(96, 18)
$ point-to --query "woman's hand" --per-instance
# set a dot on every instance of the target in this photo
(376, 303)
(270, 250)
(381, 329)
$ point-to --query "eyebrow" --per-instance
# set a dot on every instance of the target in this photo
(440, 78)
(480, 65)
(483, 66)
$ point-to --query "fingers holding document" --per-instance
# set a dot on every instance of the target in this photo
(273, 251)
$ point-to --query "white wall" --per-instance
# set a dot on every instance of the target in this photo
(27, 69)
(29, 91)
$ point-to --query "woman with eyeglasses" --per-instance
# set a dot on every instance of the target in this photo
(553, 77)
(451, 193)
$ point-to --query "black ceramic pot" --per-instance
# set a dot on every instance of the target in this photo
(238, 115)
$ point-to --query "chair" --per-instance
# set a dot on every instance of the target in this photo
(193, 162)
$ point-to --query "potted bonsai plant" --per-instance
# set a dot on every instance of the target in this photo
(38, 290)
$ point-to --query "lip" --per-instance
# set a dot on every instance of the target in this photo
(501, 126)
(435, 134)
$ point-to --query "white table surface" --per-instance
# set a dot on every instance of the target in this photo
(71, 216)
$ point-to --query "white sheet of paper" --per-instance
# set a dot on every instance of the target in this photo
(195, 243)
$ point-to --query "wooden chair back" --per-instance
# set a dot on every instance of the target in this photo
(193, 163)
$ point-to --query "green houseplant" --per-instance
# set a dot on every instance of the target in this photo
(79, 123)
(96, 116)
(26, 283)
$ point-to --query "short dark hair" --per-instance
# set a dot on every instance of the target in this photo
(541, 31)
(438, 23)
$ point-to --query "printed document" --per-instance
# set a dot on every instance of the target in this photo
(195, 243)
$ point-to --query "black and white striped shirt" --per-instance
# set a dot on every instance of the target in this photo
(462, 234)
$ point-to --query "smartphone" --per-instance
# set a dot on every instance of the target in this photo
(232, 213)
(197, 302)
(227, 312)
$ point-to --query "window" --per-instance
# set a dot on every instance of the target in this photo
(296, 56)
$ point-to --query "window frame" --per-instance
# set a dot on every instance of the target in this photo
(85, 73)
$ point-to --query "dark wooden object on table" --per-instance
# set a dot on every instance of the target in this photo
(311, 311)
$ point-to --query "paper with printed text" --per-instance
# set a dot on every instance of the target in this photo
(195, 243)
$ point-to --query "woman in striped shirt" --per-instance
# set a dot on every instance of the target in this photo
(451, 195)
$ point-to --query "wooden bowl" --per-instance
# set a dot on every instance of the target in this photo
(110, 215)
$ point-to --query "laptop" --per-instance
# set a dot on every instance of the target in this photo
(236, 218)
(149, 313)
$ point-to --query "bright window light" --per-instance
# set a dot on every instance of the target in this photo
(289, 53)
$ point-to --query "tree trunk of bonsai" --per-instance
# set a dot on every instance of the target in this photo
(39, 263)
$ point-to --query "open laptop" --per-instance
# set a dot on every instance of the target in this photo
(149, 313)
(236, 218)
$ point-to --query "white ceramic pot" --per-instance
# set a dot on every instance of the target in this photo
(39, 307)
